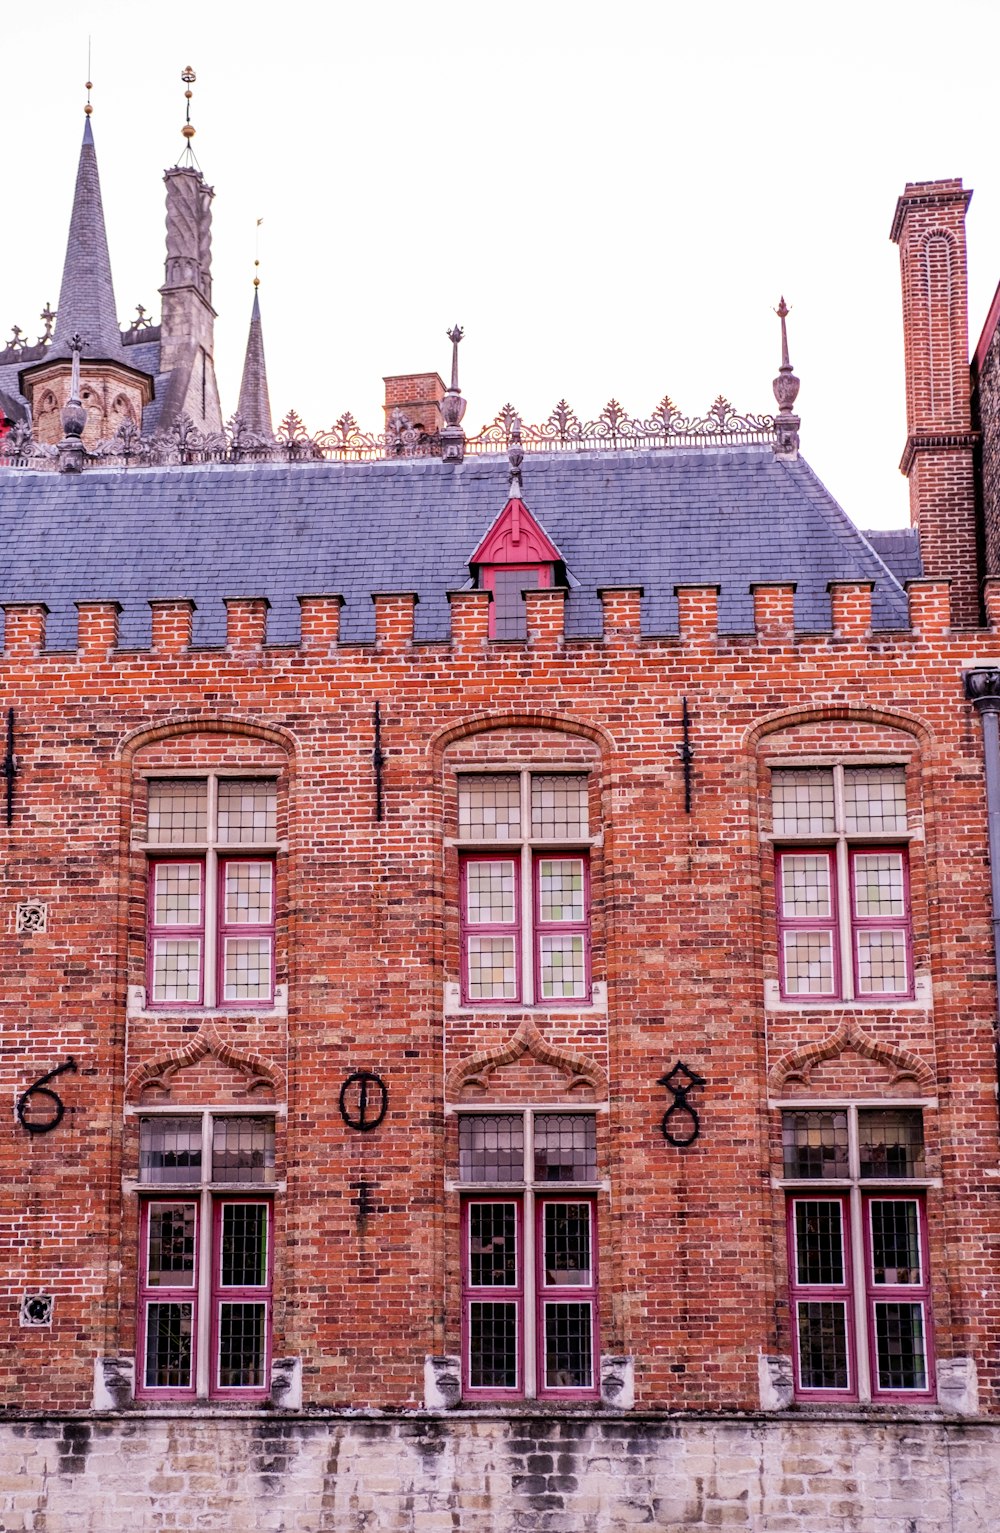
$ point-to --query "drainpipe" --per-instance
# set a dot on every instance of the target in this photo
(982, 688)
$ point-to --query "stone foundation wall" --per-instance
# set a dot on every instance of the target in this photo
(523, 1474)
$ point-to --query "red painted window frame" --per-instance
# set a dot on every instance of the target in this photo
(166, 1295)
(511, 1294)
(487, 582)
(155, 932)
(829, 924)
(226, 929)
(512, 928)
(898, 1293)
(193, 1295)
(901, 923)
(563, 928)
(243, 1294)
(566, 1294)
(822, 1293)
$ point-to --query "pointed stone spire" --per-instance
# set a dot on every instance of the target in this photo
(254, 407)
(87, 295)
(786, 390)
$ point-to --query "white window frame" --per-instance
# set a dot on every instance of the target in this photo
(857, 1190)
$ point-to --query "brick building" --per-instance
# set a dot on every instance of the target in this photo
(500, 1005)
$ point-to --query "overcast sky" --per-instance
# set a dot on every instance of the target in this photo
(609, 197)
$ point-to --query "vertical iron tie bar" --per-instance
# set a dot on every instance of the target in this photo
(10, 766)
(378, 762)
(686, 753)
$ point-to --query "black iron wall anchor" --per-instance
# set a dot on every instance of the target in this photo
(686, 753)
(41, 1089)
(378, 762)
(364, 1101)
(680, 1123)
(10, 766)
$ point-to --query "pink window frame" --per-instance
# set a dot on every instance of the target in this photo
(241, 1294)
(226, 929)
(155, 932)
(898, 1293)
(489, 1295)
(469, 928)
(901, 923)
(829, 924)
(162, 1294)
(822, 1293)
(487, 582)
(566, 1294)
(561, 928)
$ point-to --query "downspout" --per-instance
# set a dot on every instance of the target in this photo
(982, 688)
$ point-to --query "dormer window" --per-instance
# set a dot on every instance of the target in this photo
(515, 556)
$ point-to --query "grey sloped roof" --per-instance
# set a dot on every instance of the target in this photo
(658, 519)
(899, 548)
(87, 295)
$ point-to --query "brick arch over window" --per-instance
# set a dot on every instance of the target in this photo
(791, 718)
(260, 1074)
(581, 1074)
(151, 734)
(905, 1067)
(492, 722)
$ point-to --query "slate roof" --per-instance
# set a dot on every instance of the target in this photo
(724, 516)
(87, 294)
(254, 404)
(900, 550)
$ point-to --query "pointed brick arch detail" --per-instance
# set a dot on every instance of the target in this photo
(259, 1073)
(796, 1066)
(475, 1070)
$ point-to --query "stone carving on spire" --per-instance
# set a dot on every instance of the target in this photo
(786, 390)
(453, 407)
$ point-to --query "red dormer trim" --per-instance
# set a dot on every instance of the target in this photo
(516, 538)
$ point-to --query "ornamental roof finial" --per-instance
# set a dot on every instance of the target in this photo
(188, 76)
(786, 388)
(515, 457)
(453, 407)
(74, 416)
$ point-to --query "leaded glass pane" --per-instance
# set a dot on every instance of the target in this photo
(815, 1144)
(568, 1346)
(489, 806)
(243, 1150)
(178, 811)
(177, 969)
(248, 893)
(560, 889)
(900, 1348)
(563, 967)
(177, 893)
(489, 893)
(803, 802)
(491, 969)
(247, 965)
(243, 1250)
(805, 886)
(565, 1147)
(493, 1346)
(824, 1360)
(247, 812)
(819, 1242)
(242, 1345)
(566, 1245)
(891, 1141)
(491, 1147)
(807, 958)
(169, 1329)
(882, 962)
(874, 799)
(493, 1245)
(170, 1244)
(170, 1150)
(878, 884)
(895, 1237)
(559, 805)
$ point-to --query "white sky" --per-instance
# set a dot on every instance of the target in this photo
(609, 197)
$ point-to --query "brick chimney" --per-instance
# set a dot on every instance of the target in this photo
(938, 461)
(418, 396)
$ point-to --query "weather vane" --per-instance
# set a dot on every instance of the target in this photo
(188, 76)
(90, 85)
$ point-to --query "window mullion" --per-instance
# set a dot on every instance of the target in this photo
(530, 1299)
(527, 933)
(211, 956)
(206, 1235)
(845, 930)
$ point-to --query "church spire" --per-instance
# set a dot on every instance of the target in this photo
(255, 407)
(87, 295)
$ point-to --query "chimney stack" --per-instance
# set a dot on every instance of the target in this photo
(938, 460)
